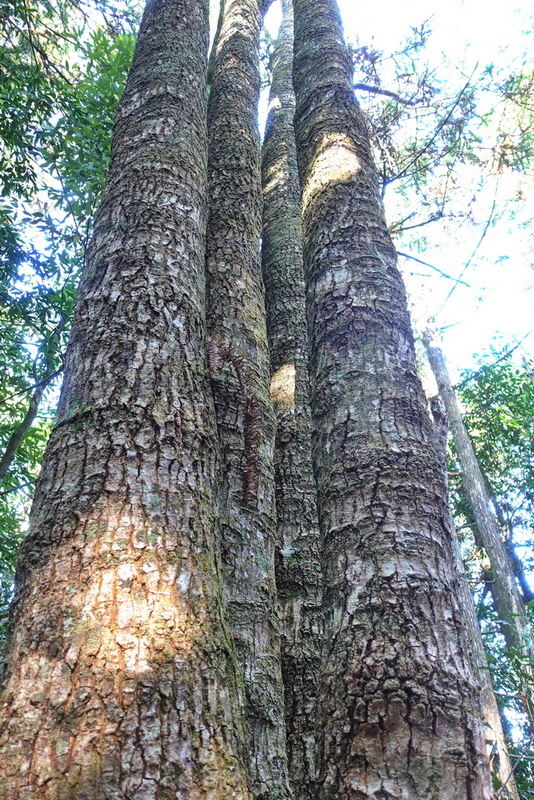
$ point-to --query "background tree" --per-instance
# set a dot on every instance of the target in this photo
(498, 411)
(504, 587)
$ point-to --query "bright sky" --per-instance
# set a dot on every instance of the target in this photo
(499, 300)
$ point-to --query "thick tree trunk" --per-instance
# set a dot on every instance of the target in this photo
(239, 366)
(504, 587)
(298, 548)
(121, 680)
(399, 704)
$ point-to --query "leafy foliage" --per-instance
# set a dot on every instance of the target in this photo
(454, 148)
(498, 408)
(63, 67)
(499, 415)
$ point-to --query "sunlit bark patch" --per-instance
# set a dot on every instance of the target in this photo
(283, 388)
(129, 617)
(274, 105)
(275, 175)
(335, 160)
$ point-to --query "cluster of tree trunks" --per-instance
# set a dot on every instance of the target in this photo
(240, 578)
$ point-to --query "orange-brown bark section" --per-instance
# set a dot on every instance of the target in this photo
(121, 679)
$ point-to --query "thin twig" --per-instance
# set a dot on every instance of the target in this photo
(16, 488)
(519, 759)
(438, 129)
(494, 364)
(473, 254)
(431, 266)
(433, 218)
(34, 386)
(364, 87)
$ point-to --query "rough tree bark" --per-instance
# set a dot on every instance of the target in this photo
(121, 678)
(145, 645)
(399, 706)
(239, 366)
(504, 588)
(298, 544)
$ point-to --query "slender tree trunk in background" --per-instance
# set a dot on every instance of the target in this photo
(504, 588)
(298, 559)
(17, 437)
(499, 760)
(399, 705)
(517, 565)
(239, 366)
(121, 678)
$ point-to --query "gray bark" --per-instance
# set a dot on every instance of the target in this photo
(145, 656)
(298, 543)
(239, 365)
(497, 751)
(504, 587)
(399, 703)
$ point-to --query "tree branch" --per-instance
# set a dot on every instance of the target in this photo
(365, 87)
(431, 266)
(436, 132)
(22, 429)
(16, 488)
(494, 364)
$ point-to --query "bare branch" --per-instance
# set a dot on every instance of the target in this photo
(520, 758)
(494, 364)
(433, 218)
(473, 254)
(365, 87)
(431, 266)
(16, 488)
(437, 131)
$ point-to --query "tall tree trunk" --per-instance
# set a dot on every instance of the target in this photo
(298, 560)
(504, 588)
(499, 760)
(239, 365)
(120, 680)
(399, 704)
